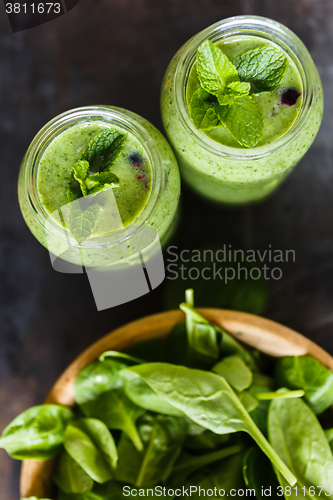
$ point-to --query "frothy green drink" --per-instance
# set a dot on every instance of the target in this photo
(241, 104)
(93, 176)
(132, 168)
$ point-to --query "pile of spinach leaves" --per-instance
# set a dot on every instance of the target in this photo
(200, 410)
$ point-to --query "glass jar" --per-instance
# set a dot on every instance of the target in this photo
(235, 175)
(97, 251)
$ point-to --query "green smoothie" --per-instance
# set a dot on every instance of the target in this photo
(277, 116)
(91, 177)
(132, 167)
(234, 153)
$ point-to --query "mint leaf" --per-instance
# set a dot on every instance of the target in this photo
(99, 145)
(244, 121)
(97, 182)
(222, 112)
(82, 219)
(113, 152)
(238, 88)
(213, 67)
(234, 89)
(202, 110)
(263, 67)
(210, 120)
(225, 99)
(80, 172)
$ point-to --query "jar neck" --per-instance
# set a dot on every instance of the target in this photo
(108, 115)
(270, 31)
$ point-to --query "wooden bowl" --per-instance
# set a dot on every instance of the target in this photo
(265, 335)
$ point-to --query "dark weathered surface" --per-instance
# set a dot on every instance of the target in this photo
(116, 53)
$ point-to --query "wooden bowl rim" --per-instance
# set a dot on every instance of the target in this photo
(248, 328)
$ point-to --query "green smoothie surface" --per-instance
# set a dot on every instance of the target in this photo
(132, 167)
(277, 116)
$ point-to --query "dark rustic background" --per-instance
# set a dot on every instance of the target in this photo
(115, 52)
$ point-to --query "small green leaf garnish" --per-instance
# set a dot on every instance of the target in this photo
(100, 180)
(80, 172)
(214, 69)
(221, 112)
(108, 143)
(225, 95)
(113, 152)
(263, 67)
(244, 121)
(238, 88)
(201, 103)
(99, 145)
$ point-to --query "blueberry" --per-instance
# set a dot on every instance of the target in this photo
(135, 159)
(289, 97)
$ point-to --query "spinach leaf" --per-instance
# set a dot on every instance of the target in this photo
(203, 338)
(249, 402)
(109, 490)
(117, 412)
(199, 438)
(225, 474)
(122, 356)
(139, 392)
(99, 392)
(261, 380)
(260, 413)
(201, 395)
(90, 443)
(37, 433)
(70, 477)
(235, 371)
(305, 372)
(264, 396)
(79, 496)
(187, 463)
(162, 437)
(259, 474)
(298, 438)
(230, 346)
(96, 378)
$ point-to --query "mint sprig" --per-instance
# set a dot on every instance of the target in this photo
(99, 145)
(80, 172)
(203, 110)
(244, 121)
(83, 213)
(113, 152)
(263, 67)
(214, 69)
(108, 144)
(225, 98)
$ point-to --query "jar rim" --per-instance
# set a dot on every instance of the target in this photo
(258, 26)
(56, 126)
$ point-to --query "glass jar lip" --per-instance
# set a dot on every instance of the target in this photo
(258, 25)
(67, 119)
